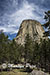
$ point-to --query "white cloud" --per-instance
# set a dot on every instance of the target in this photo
(42, 1)
(10, 30)
(26, 11)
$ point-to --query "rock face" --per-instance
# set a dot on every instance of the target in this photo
(36, 72)
(31, 27)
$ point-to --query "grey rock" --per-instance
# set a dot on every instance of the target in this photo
(36, 72)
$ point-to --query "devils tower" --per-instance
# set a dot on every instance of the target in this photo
(31, 27)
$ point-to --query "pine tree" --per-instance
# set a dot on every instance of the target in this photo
(4, 55)
(47, 24)
(43, 54)
(28, 49)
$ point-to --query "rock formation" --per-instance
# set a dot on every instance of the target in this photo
(36, 72)
(31, 27)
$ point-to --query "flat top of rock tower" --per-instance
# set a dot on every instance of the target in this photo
(28, 20)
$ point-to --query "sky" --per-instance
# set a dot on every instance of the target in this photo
(13, 12)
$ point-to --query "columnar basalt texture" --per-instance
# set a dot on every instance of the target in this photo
(31, 27)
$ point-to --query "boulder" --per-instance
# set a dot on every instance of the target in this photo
(36, 72)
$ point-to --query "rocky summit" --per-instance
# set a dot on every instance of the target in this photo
(31, 27)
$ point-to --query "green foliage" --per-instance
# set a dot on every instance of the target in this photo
(44, 53)
(28, 48)
(47, 16)
(47, 24)
(9, 51)
(32, 52)
(36, 53)
(3, 47)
